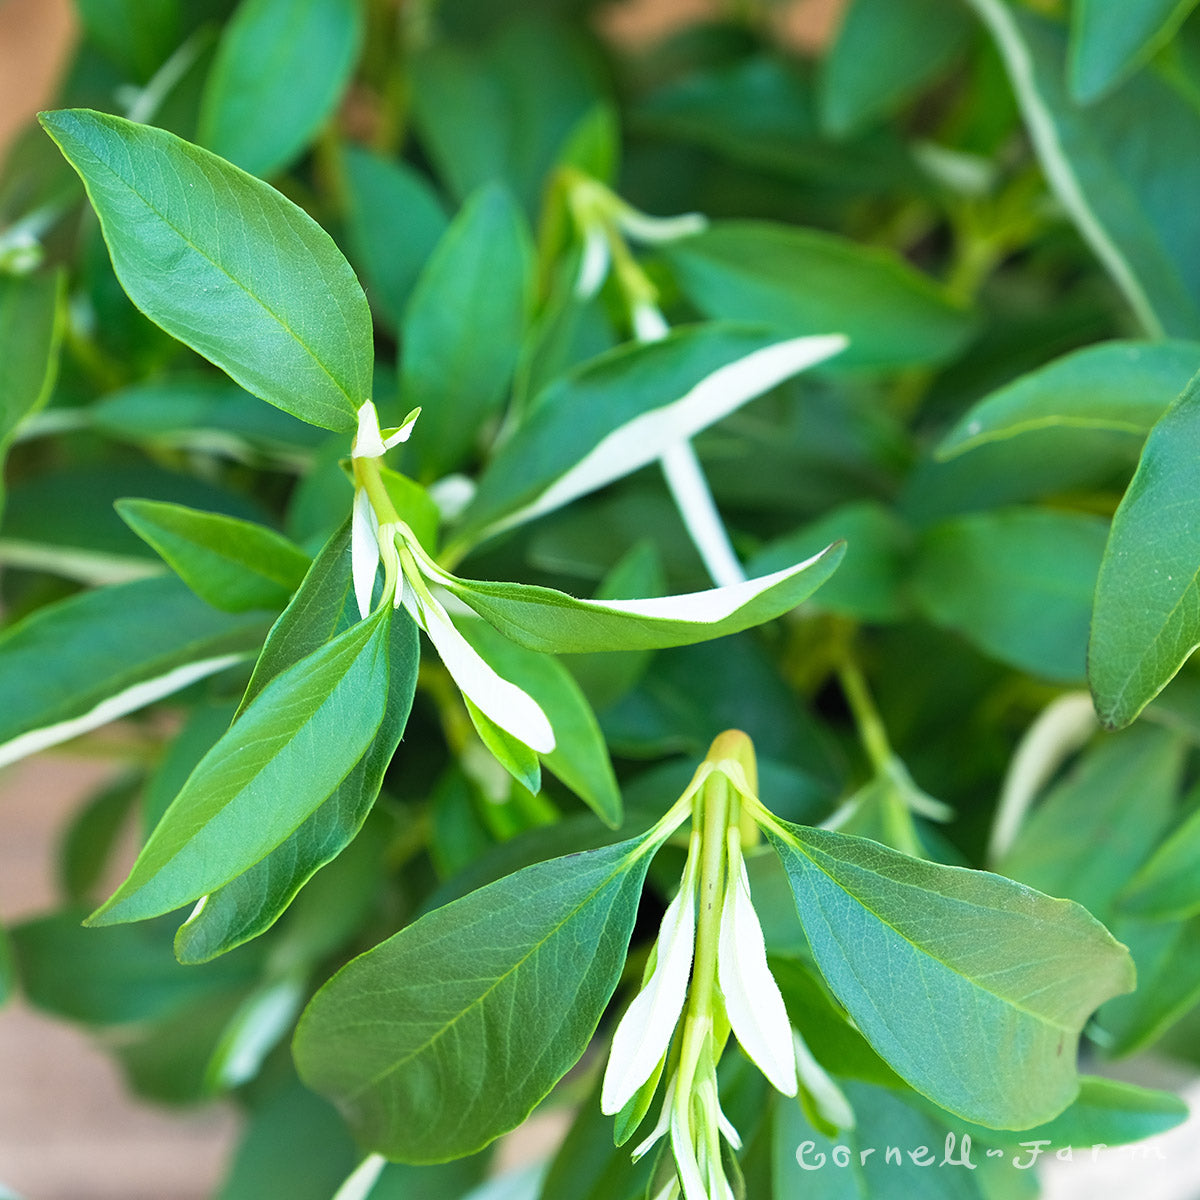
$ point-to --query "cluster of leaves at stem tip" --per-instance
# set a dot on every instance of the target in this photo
(819, 566)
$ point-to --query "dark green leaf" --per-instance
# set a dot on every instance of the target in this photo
(623, 410)
(1145, 623)
(113, 976)
(544, 619)
(1167, 887)
(31, 325)
(988, 983)
(1096, 827)
(1121, 386)
(1017, 584)
(280, 70)
(233, 565)
(289, 749)
(489, 1001)
(136, 35)
(249, 904)
(580, 757)
(72, 666)
(227, 265)
(88, 841)
(1109, 42)
(802, 281)
(394, 221)
(463, 327)
(8, 971)
(1117, 168)
(868, 585)
(885, 52)
(206, 723)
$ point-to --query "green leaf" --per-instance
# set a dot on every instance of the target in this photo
(77, 664)
(227, 265)
(231, 564)
(622, 410)
(869, 584)
(887, 51)
(394, 220)
(803, 281)
(1167, 954)
(1017, 583)
(135, 35)
(291, 746)
(1145, 623)
(544, 619)
(463, 327)
(1116, 167)
(490, 115)
(280, 70)
(580, 756)
(1095, 828)
(32, 311)
(114, 976)
(1110, 42)
(1107, 1112)
(206, 723)
(89, 839)
(489, 1001)
(249, 904)
(510, 752)
(988, 983)
(8, 970)
(1121, 386)
(1167, 887)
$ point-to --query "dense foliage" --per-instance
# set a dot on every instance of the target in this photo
(400, 399)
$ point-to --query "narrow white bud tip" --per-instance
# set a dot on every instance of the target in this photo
(368, 442)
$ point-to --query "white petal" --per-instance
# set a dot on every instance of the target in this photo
(664, 1123)
(690, 490)
(593, 268)
(755, 1008)
(361, 1183)
(645, 1030)
(507, 705)
(368, 442)
(644, 228)
(649, 325)
(364, 550)
(131, 699)
(646, 437)
(403, 431)
(830, 1100)
(685, 1155)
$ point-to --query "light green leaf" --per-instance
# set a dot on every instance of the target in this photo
(231, 564)
(77, 664)
(32, 310)
(1167, 887)
(290, 748)
(1146, 620)
(280, 70)
(463, 327)
(249, 904)
(1017, 583)
(1096, 827)
(227, 265)
(394, 220)
(488, 1000)
(885, 52)
(1120, 386)
(1117, 168)
(580, 755)
(803, 281)
(621, 411)
(1109, 42)
(988, 983)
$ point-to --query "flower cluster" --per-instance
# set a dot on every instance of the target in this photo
(708, 978)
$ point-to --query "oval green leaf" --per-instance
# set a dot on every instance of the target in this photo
(227, 265)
